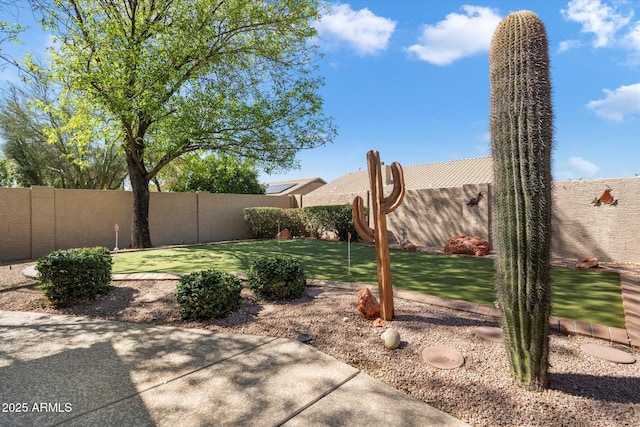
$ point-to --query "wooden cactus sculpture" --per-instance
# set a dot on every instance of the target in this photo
(521, 141)
(380, 207)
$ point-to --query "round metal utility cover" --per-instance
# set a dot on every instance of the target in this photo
(442, 357)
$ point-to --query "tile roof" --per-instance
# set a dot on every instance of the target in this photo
(452, 173)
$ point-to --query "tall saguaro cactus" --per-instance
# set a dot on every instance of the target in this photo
(380, 207)
(521, 141)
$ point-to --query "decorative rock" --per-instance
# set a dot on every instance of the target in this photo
(468, 245)
(368, 305)
(305, 338)
(608, 353)
(391, 338)
(407, 245)
(588, 263)
(379, 323)
(345, 319)
(442, 357)
(490, 333)
(284, 234)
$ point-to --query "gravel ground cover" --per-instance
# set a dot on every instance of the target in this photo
(585, 390)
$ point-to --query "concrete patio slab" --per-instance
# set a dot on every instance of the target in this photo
(366, 401)
(80, 371)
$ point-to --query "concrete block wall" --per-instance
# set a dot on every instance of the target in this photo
(431, 217)
(84, 218)
(15, 223)
(38, 220)
(222, 215)
(428, 216)
(580, 228)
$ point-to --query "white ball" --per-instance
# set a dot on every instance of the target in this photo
(391, 338)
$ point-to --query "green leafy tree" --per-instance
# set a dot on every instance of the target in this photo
(9, 30)
(7, 172)
(33, 125)
(215, 174)
(234, 77)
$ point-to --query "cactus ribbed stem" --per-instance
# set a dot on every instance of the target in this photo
(521, 138)
(380, 207)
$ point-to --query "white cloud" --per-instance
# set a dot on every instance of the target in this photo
(566, 45)
(624, 101)
(584, 167)
(364, 31)
(597, 18)
(457, 36)
(632, 39)
(576, 168)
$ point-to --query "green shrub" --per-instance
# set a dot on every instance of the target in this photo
(263, 222)
(312, 221)
(208, 294)
(331, 218)
(278, 277)
(70, 275)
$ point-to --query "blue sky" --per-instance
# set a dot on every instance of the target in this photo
(410, 78)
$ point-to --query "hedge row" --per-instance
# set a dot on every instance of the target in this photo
(312, 221)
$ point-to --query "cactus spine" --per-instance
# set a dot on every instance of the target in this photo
(521, 140)
(380, 206)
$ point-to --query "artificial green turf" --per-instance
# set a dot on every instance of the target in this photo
(589, 296)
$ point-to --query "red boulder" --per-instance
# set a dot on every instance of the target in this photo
(468, 245)
(368, 305)
(588, 263)
(284, 235)
(407, 245)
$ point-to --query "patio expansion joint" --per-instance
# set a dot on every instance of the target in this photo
(163, 383)
(317, 399)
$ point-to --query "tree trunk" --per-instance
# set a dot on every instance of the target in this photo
(140, 236)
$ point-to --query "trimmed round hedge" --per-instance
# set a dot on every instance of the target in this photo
(68, 276)
(208, 294)
(277, 277)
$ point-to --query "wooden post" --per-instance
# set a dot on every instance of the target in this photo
(380, 207)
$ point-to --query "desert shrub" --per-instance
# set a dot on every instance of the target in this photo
(208, 294)
(311, 221)
(331, 218)
(70, 275)
(262, 222)
(277, 277)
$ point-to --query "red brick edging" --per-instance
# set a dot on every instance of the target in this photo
(565, 326)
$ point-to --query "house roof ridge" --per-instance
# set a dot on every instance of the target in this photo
(450, 161)
(449, 173)
(287, 181)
